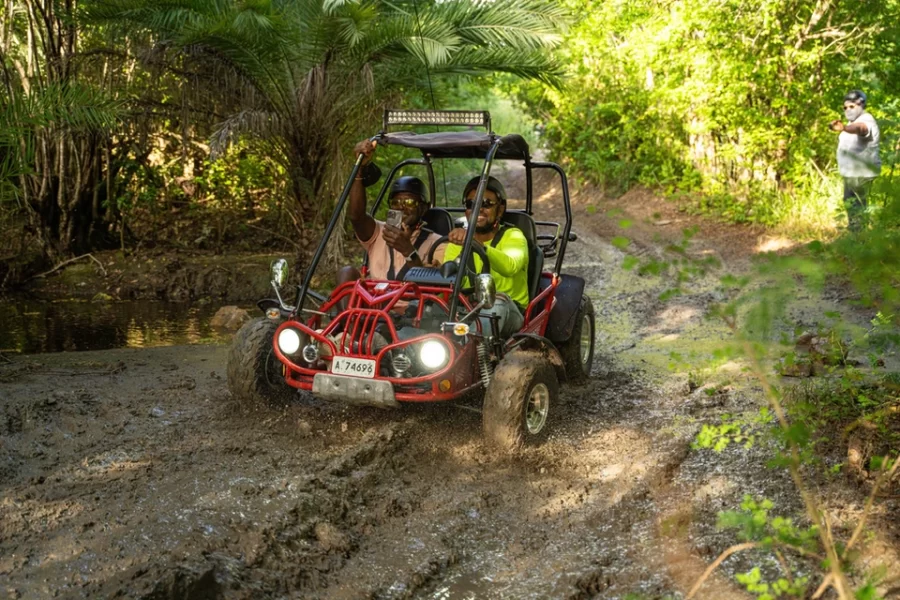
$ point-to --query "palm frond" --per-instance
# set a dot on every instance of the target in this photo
(73, 106)
(329, 7)
(429, 40)
(528, 65)
(518, 23)
(265, 125)
(164, 18)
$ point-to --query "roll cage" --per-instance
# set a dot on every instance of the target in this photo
(445, 145)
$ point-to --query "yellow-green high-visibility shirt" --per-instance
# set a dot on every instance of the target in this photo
(509, 264)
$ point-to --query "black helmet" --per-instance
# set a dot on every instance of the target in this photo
(856, 96)
(493, 184)
(410, 185)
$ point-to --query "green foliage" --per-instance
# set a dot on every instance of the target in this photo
(723, 104)
(780, 588)
(819, 414)
(240, 177)
(845, 403)
(218, 207)
(754, 523)
(310, 77)
(733, 429)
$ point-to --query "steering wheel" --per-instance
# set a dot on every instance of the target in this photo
(470, 268)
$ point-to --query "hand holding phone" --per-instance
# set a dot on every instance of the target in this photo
(394, 218)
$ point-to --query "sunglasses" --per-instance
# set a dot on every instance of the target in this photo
(485, 204)
(401, 203)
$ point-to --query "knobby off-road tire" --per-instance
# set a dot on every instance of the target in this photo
(578, 351)
(518, 401)
(254, 372)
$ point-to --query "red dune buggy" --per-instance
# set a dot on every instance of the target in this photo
(420, 339)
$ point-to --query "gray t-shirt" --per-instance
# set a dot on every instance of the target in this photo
(857, 155)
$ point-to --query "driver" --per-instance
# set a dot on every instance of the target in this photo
(507, 251)
(392, 250)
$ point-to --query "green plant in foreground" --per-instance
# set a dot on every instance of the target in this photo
(752, 316)
(834, 556)
(781, 587)
(777, 535)
(733, 429)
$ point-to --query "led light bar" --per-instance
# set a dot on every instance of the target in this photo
(463, 118)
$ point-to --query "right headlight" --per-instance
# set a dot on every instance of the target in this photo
(433, 355)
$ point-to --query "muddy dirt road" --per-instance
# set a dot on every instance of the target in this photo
(131, 473)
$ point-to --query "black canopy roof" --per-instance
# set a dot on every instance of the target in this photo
(460, 144)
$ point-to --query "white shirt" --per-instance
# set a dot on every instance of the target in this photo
(857, 155)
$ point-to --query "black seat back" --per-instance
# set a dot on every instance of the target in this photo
(525, 223)
(438, 220)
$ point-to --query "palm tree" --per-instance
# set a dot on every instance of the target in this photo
(306, 76)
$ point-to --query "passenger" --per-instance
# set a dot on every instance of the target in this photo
(392, 250)
(507, 251)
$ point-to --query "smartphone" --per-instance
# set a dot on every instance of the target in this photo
(394, 218)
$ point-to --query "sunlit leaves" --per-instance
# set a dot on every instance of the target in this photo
(727, 98)
(620, 242)
(630, 262)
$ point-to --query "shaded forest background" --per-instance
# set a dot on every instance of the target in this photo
(226, 125)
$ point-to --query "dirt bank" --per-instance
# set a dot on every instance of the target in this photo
(130, 473)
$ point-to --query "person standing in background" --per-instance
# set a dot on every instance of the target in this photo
(858, 159)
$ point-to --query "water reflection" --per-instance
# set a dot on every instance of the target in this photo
(29, 327)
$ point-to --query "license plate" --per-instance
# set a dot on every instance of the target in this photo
(355, 367)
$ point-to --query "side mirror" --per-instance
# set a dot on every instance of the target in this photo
(279, 271)
(485, 290)
(449, 269)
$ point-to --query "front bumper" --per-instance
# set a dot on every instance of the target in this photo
(355, 390)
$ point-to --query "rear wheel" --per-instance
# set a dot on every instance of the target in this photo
(518, 401)
(255, 376)
(578, 351)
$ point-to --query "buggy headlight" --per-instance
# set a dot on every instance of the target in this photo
(433, 355)
(289, 341)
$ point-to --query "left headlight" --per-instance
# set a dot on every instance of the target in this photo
(289, 341)
(433, 355)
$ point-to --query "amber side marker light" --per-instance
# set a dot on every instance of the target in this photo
(444, 385)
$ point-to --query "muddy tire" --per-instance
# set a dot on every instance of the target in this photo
(255, 377)
(518, 401)
(578, 352)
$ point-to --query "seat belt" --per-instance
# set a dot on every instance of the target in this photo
(424, 234)
(497, 236)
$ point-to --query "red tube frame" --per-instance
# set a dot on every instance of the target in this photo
(365, 320)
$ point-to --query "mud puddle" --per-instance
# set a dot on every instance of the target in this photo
(31, 327)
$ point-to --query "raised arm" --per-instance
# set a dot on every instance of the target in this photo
(363, 223)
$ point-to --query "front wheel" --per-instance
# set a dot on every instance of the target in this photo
(518, 401)
(255, 376)
(578, 351)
